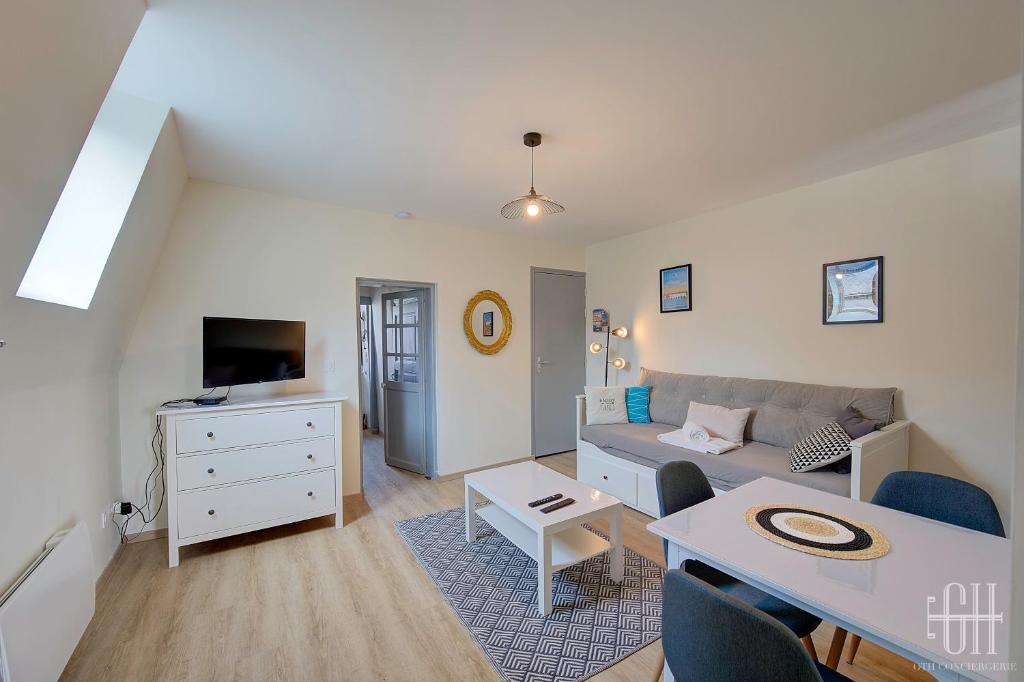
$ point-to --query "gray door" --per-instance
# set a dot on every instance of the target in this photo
(405, 394)
(559, 356)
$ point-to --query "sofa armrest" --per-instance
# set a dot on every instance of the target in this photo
(877, 455)
(581, 414)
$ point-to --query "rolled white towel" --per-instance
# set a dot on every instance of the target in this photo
(677, 438)
(696, 433)
(717, 446)
(681, 439)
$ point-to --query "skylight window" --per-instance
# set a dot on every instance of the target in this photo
(73, 252)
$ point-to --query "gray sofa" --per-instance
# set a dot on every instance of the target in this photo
(621, 458)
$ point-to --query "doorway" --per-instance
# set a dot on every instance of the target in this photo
(558, 317)
(368, 364)
(398, 325)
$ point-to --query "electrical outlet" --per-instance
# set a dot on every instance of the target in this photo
(103, 519)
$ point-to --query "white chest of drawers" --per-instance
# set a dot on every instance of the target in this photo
(238, 467)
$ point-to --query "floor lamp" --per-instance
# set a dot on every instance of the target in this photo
(617, 362)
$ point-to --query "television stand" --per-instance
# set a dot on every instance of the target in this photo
(209, 400)
(250, 465)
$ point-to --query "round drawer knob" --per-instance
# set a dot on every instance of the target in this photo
(209, 471)
(209, 434)
(605, 477)
(309, 494)
(210, 512)
(309, 456)
(309, 424)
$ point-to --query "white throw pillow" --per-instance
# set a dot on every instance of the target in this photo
(720, 422)
(606, 405)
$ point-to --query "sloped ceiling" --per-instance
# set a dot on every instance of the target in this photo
(59, 454)
(651, 111)
(57, 61)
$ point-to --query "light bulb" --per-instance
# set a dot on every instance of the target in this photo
(532, 209)
(619, 363)
(620, 332)
(596, 347)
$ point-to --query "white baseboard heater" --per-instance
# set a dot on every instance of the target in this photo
(46, 611)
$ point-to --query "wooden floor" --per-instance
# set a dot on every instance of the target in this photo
(309, 602)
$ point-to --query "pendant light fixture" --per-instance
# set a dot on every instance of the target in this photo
(531, 205)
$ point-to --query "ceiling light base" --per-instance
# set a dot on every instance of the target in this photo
(531, 139)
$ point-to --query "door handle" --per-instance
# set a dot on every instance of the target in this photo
(541, 363)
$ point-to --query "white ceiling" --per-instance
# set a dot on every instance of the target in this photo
(651, 111)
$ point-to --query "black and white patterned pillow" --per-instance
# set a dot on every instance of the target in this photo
(828, 444)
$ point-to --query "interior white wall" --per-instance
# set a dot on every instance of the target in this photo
(237, 252)
(949, 218)
(58, 416)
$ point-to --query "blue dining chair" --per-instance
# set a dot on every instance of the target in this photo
(682, 485)
(940, 498)
(710, 635)
(935, 497)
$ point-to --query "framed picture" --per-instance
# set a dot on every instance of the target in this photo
(489, 323)
(676, 288)
(852, 291)
(600, 320)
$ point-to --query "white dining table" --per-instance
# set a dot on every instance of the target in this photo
(906, 601)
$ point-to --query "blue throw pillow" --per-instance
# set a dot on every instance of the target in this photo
(638, 403)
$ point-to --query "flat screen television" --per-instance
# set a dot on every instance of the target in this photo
(241, 351)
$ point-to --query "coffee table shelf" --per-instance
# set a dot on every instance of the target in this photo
(556, 540)
(568, 547)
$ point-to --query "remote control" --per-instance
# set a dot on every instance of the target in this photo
(545, 500)
(557, 505)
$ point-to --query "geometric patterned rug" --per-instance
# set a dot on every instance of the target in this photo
(492, 587)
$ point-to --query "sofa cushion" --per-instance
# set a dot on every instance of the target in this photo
(639, 443)
(638, 403)
(781, 412)
(827, 445)
(720, 422)
(855, 425)
(606, 405)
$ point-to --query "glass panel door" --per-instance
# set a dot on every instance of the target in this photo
(405, 442)
(402, 338)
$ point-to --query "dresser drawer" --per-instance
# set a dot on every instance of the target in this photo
(233, 466)
(215, 433)
(611, 478)
(219, 509)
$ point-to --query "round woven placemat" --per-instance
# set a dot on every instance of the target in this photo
(817, 532)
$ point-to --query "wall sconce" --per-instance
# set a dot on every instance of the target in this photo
(617, 362)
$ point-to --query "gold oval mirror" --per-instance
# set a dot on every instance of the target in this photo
(487, 322)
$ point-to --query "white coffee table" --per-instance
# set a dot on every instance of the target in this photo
(554, 540)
